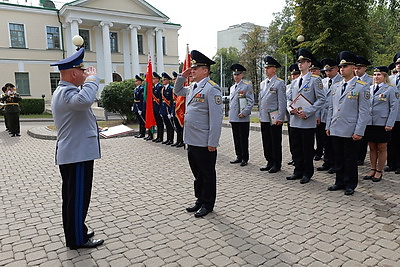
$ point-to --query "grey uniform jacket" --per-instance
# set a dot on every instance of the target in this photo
(367, 79)
(77, 130)
(323, 112)
(393, 81)
(203, 116)
(272, 97)
(313, 90)
(242, 90)
(348, 113)
(384, 105)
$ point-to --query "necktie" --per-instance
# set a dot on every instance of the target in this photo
(376, 89)
(329, 83)
(359, 78)
(398, 80)
(300, 82)
(195, 86)
(344, 88)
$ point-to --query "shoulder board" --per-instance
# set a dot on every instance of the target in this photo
(361, 82)
(390, 84)
(246, 83)
(313, 75)
(212, 82)
(279, 79)
(370, 76)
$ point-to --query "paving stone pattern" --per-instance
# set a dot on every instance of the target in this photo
(138, 205)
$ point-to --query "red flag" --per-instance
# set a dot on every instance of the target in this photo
(150, 120)
(180, 100)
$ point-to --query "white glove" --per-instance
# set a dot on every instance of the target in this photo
(132, 108)
(169, 116)
(9, 92)
(140, 112)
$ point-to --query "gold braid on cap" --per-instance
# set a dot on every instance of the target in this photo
(80, 66)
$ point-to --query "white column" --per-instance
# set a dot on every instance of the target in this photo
(69, 47)
(126, 50)
(160, 54)
(150, 43)
(74, 30)
(99, 52)
(134, 49)
(107, 51)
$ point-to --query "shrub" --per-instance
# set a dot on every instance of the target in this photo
(31, 106)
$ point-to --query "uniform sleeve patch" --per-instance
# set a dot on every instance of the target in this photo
(320, 85)
(397, 95)
(367, 95)
(218, 100)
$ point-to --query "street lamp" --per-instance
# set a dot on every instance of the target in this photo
(300, 38)
(78, 41)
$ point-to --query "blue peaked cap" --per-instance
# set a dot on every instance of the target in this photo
(74, 61)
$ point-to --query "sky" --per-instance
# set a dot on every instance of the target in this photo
(202, 19)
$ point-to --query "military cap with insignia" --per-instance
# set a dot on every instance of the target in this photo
(137, 77)
(155, 75)
(74, 61)
(166, 76)
(346, 58)
(237, 68)
(328, 63)
(294, 69)
(199, 59)
(392, 66)
(271, 62)
(381, 69)
(362, 61)
(304, 54)
(174, 74)
(396, 58)
(315, 65)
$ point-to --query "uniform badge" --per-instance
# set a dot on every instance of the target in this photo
(320, 86)
(397, 95)
(218, 100)
(367, 95)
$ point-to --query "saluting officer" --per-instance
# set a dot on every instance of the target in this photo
(332, 72)
(272, 103)
(241, 101)
(157, 99)
(203, 122)
(166, 108)
(348, 116)
(393, 147)
(303, 120)
(138, 105)
(360, 70)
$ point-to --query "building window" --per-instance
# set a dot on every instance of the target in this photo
(86, 38)
(17, 35)
(140, 44)
(22, 82)
(164, 47)
(53, 37)
(114, 42)
(54, 79)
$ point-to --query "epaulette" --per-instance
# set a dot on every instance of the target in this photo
(370, 76)
(212, 82)
(279, 79)
(246, 83)
(391, 84)
(313, 75)
(361, 82)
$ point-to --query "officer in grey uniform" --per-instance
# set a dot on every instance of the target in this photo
(241, 101)
(303, 120)
(203, 123)
(348, 115)
(393, 147)
(78, 145)
(272, 107)
(332, 72)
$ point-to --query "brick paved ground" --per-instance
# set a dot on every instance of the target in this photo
(139, 195)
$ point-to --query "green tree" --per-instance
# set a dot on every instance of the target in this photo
(118, 97)
(229, 57)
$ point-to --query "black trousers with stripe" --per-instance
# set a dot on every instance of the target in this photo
(76, 190)
(240, 131)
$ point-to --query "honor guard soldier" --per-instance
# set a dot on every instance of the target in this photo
(157, 99)
(167, 108)
(332, 76)
(11, 110)
(77, 146)
(361, 68)
(348, 115)
(138, 105)
(179, 111)
(393, 147)
(272, 106)
(241, 101)
(302, 118)
(4, 89)
(203, 122)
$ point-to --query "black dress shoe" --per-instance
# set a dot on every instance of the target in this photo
(180, 144)
(243, 163)
(158, 140)
(389, 169)
(290, 162)
(304, 180)
(323, 168)
(274, 169)
(91, 243)
(202, 212)
(332, 171)
(169, 142)
(348, 191)
(397, 171)
(166, 141)
(235, 161)
(335, 187)
(139, 136)
(375, 179)
(175, 144)
(293, 177)
(316, 158)
(194, 208)
(90, 233)
(17, 135)
(266, 168)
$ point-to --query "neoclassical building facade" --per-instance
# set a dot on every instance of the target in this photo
(119, 35)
